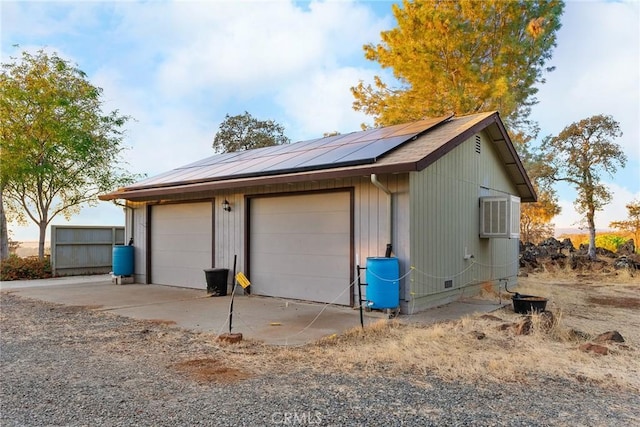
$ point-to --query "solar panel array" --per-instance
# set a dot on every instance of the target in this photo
(351, 149)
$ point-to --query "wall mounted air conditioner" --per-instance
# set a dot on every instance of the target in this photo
(500, 217)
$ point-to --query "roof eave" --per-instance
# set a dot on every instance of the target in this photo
(525, 188)
(292, 178)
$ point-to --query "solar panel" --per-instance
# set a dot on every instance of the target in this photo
(321, 153)
(373, 150)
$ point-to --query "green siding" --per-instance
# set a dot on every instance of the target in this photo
(444, 207)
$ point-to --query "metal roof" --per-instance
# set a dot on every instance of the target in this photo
(394, 149)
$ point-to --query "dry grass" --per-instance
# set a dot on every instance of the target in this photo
(453, 351)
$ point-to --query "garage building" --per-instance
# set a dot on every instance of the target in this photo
(444, 193)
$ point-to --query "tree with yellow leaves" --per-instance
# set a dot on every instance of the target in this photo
(463, 57)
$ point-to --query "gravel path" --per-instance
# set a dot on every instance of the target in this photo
(72, 366)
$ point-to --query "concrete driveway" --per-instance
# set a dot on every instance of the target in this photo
(271, 320)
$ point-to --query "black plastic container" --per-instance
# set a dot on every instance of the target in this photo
(524, 304)
(217, 281)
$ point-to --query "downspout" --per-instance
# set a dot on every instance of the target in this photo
(115, 202)
(374, 181)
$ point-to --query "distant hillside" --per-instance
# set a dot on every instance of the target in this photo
(574, 231)
(566, 231)
(30, 248)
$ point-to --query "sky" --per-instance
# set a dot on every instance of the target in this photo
(179, 67)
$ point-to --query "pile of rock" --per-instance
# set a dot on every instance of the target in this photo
(560, 252)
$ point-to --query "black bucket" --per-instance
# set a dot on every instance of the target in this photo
(524, 304)
(217, 281)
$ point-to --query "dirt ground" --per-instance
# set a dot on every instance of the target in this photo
(592, 303)
(65, 365)
(481, 348)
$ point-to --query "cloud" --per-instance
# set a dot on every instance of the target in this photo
(598, 64)
(198, 63)
(614, 211)
(320, 102)
(244, 49)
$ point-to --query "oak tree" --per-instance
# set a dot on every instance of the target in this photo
(244, 132)
(579, 155)
(59, 148)
(463, 57)
(535, 218)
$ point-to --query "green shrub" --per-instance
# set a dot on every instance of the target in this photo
(607, 241)
(16, 268)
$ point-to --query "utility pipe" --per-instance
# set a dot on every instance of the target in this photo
(381, 186)
(115, 202)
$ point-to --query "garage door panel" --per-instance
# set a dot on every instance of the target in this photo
(323, 266)
(181, 244)
(291, 203)
(181, 276)
(306, 288)
(291, 223)
(184, 243)
(300, 246)
(298, 243)
(188, 259)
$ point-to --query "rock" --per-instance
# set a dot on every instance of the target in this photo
(605, 252)
(506, 326)
(575, 334)
(568, 244)
(528, 257)
(628, 248)
(594, 348)
(478, 335)
(611, 336)
(626, 262)
(524, 327)
(551, 242)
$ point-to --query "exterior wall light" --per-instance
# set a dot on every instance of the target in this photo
(226, 206)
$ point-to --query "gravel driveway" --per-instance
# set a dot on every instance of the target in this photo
(72, 366)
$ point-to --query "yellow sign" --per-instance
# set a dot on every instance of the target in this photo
(242, 280)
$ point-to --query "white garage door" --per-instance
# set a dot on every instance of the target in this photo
(181, 244)
(300, 247)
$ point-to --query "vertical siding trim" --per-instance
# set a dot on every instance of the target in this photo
(213, 232)
(352, 246)
(247, 233)
(148, 248)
